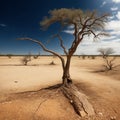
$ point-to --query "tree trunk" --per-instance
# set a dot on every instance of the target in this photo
(77, 99)
(66, 73)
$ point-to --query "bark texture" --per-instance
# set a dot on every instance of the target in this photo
(78, 100)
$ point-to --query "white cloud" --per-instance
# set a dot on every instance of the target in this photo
(69, 31)
(116, 33)
(88, 47)
(103, 3)
(3, 25)
(114, 8)
(118, 15)
(116, 1)
(111, 17)
(71, 26)
(113, 25)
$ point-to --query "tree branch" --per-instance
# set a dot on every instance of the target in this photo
(97, 19)
(45, 49)
(74, 45)
(112, 60)
(61, 43)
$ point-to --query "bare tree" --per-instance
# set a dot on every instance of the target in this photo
(9, 56)
(85, 23)
(109, 61)
(36, 56)
(26, 59)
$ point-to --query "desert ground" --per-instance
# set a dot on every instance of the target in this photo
(31, 92)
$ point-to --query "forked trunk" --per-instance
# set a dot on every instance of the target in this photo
(66, 72)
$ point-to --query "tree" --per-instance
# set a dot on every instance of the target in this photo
(36, 56)
(109, 61)
(9, 55)
(26, 59)
(85, 23)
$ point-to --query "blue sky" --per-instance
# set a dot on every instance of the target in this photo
(21, 18)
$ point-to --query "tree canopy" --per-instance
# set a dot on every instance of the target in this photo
(84, 23)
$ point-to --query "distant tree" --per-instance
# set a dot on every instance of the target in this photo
(93, 57)
(109, 61)
(26, 59)
(83, 57)
(36, 56)
(85, 23)
(9, 55)
(88, 56)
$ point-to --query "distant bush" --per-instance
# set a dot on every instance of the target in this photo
(109, 61)
(52, 63)
(9, 55)
(83, 56)
(26, 59)
(35, 56)
(93, 57)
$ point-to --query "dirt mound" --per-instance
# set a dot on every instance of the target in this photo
(50, 104)
(39, 105)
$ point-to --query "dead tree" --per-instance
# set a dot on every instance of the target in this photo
(9, 56)
(84, 23)
(109, 60)
(26, 59)
(36, 56)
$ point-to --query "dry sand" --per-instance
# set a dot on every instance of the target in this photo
(102, 89)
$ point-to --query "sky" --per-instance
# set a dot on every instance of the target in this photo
(21, 19)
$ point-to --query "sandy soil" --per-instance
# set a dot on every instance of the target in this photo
(22, 99)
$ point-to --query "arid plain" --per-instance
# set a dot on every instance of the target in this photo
(24, 93)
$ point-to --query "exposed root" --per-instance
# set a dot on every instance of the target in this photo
(78, 100)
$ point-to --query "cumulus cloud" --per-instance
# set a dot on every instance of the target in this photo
(118, 15)
(113, 24)
(71, 26)
(114, 8)
(89, 47)
(69, 31)
(111, 18)
(116, 1)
